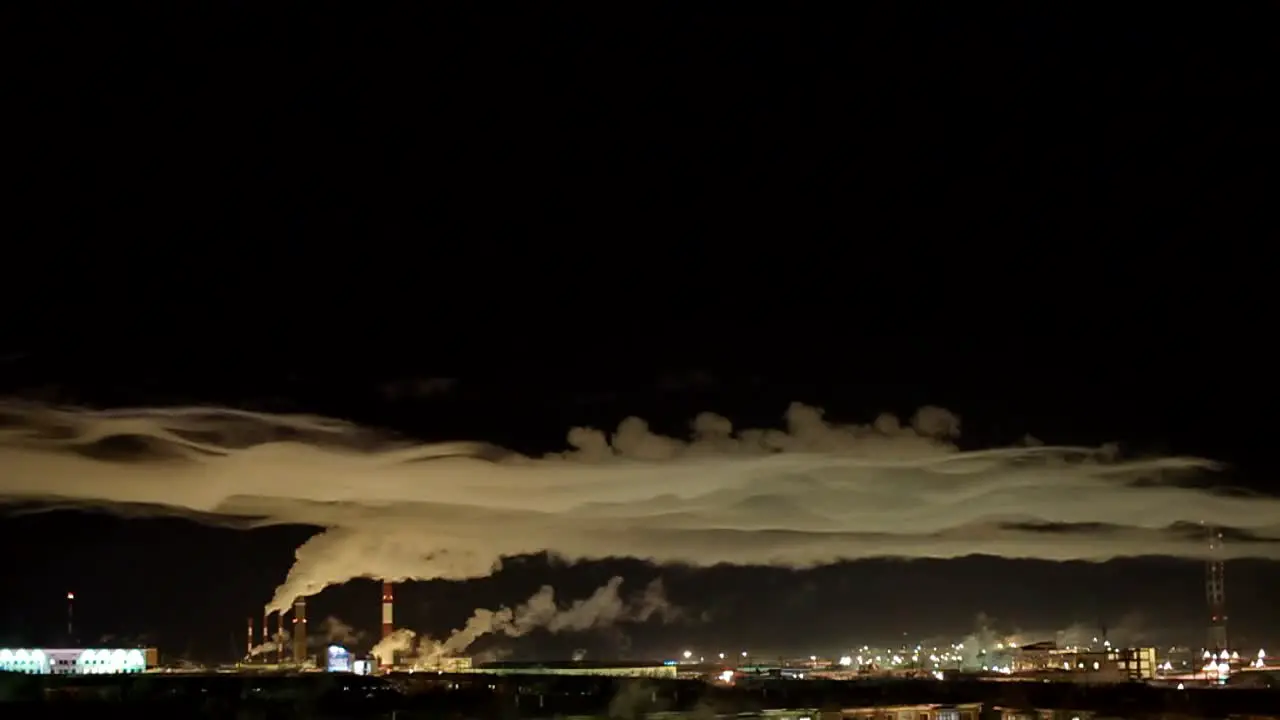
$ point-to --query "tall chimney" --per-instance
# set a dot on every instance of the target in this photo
(299, 630)
(278, 638)
(388, 622)
(71, 636)
(248, 646)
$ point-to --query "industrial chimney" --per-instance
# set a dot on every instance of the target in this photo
(388, 623)
(300, 630)
(248, 646)
(278, 638)
(71, 599)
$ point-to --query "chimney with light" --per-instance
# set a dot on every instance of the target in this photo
(300, 630)
(388, 623)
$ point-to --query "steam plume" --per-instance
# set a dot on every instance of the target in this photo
(336, 631)
(279, 642)
(602, 608)
(813, 493)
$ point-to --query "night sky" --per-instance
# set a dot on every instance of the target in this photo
(495, 225)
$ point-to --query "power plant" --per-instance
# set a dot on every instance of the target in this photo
(388, 621)
(300, 630)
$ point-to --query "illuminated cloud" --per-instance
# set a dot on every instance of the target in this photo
(811, 493)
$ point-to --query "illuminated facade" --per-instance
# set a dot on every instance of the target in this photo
(601, 669)
(1116, 663)
(338, 659)
(73, 661)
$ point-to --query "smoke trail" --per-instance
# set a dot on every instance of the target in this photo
(336, 631)
(603, 608)
(811, 494)
(279, 642)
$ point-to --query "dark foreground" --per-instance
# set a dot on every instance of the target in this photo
(408, 697)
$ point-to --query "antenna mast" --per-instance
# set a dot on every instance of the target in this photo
(1215, 585)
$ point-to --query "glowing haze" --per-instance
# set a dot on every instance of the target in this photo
(811, 493)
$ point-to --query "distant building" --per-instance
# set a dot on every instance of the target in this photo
(1107, 664)
(654, 670)
(338, 659)
(77, 661)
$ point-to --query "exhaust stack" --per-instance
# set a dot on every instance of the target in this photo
(248, 645)
(300, 630)
(278, 638)
(388, 622)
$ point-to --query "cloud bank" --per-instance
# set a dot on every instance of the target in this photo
(811, 493)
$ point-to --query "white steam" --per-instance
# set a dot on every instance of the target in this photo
(278, 643)
(811, 494)
(337, 631)
(603, 608)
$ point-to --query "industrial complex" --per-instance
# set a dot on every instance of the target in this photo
(267, 650)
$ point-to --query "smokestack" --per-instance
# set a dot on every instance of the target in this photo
(278, 638)
(248, 646)
(299, 630)
(71, 636)
(388, 623)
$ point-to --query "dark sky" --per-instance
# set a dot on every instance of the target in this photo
(1049, 219)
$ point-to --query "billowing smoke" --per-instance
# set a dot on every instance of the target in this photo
(811, 494)
(992, 645)
(336, 631)
(402, 642)
(603, 608)
(1130, 630)
(279, 642)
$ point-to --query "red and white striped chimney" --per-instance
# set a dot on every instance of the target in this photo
(388, 602)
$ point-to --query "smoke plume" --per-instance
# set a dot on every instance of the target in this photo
(279, 642)
(336, 631)
(811, 494)
(603, 608)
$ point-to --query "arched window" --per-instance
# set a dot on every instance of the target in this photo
(135, 661)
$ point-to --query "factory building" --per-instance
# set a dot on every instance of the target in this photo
(1108, 663)
(446, 664)
(77, 661)
(647, 670)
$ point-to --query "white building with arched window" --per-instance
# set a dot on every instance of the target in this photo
(75, 661)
